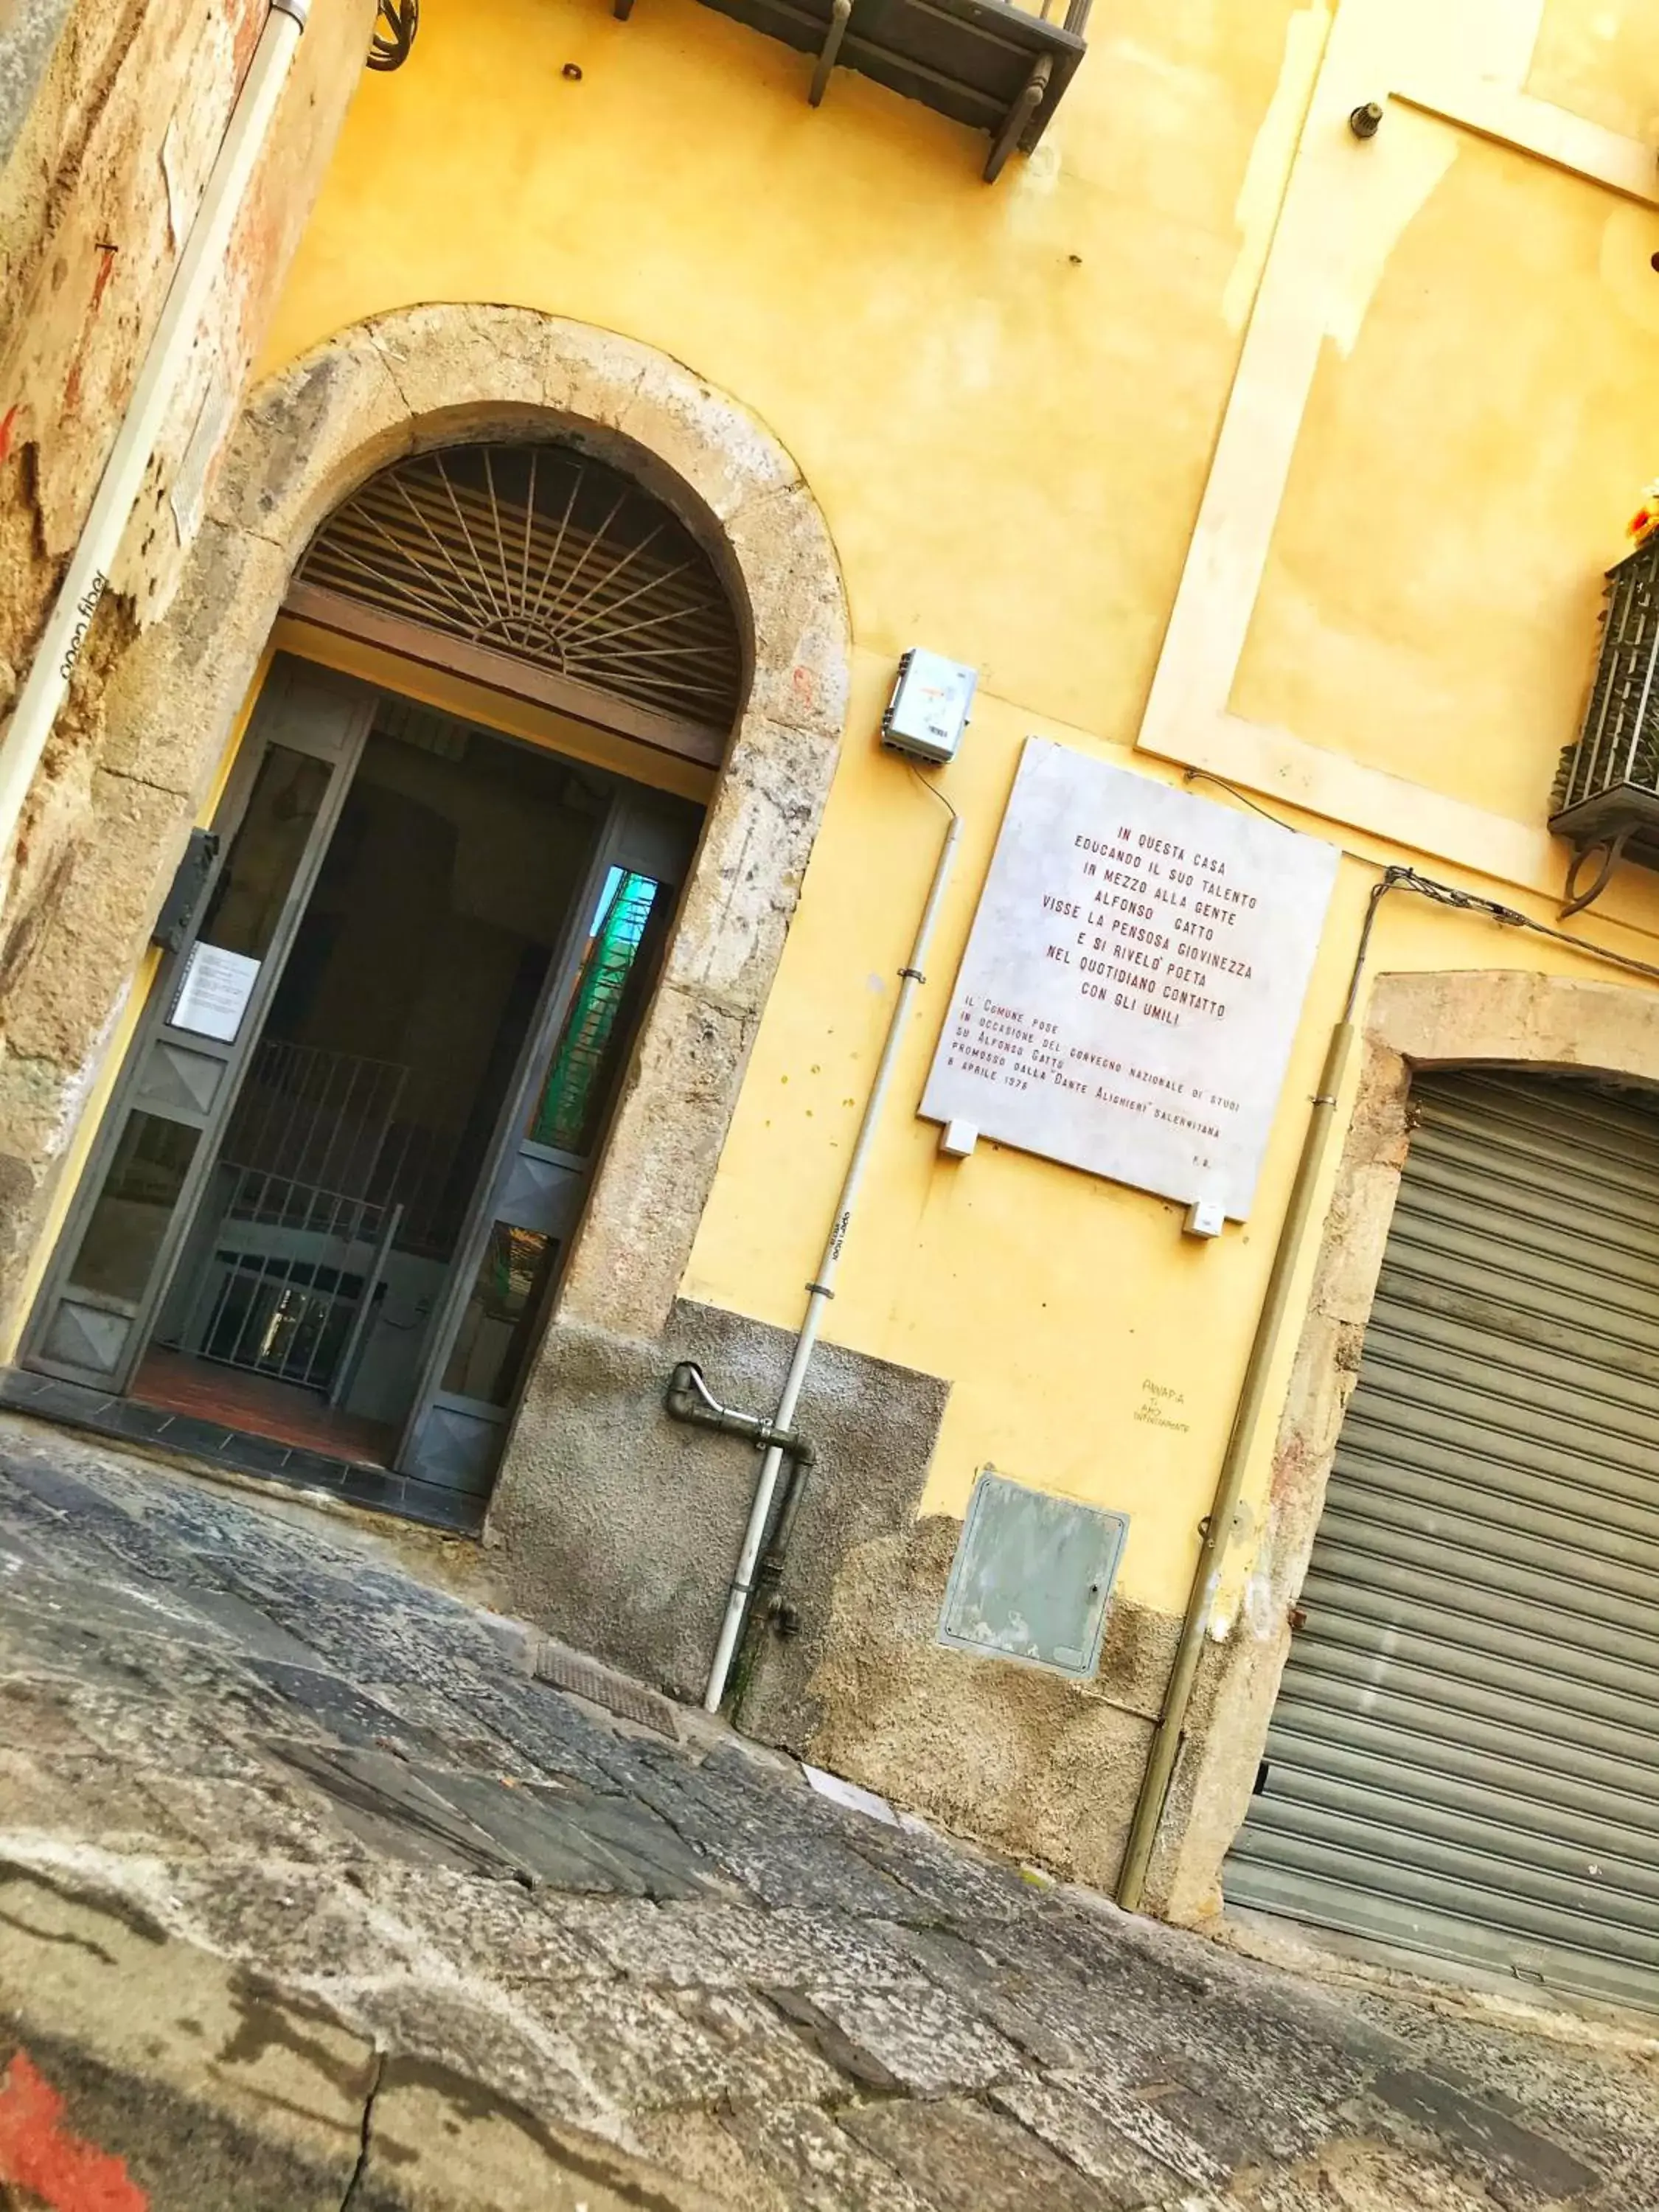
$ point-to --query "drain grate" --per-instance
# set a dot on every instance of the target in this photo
(603, 1686)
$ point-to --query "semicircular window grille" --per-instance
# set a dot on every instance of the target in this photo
(545, 555)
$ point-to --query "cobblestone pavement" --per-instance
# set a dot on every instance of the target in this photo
(289, 1753)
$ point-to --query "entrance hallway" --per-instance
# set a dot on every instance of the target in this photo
(304, 1302)
(240, 1442)
(282, 1411)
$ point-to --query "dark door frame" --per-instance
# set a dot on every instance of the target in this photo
(310, 709)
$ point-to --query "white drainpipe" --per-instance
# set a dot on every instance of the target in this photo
(24, 738)
(822, 1290)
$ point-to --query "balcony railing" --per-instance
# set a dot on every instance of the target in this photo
(1607, 788)
(997, 68)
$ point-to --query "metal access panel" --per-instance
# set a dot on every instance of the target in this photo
(1032, 1576)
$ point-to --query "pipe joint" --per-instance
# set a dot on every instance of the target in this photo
(299, 11)
(689, 1398)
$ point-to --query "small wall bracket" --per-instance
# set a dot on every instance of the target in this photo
(1607, 851)
(190, 880)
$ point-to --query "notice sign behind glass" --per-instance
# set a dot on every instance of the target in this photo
(213, 993)
(1132, 981)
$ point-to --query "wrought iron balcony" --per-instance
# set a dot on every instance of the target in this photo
(1607, 788)
(995, 67)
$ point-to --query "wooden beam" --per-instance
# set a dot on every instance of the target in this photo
(501, 672)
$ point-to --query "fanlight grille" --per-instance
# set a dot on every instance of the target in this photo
(543, 553)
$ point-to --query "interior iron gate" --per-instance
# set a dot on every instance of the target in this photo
(1464, 1758)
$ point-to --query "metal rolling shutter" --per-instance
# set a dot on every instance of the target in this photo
(1464, 1758)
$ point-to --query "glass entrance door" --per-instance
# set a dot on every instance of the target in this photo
(187, 1064)
(345, 1160)
(558, 1111)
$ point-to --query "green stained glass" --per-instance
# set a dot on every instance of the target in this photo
(573, 1098)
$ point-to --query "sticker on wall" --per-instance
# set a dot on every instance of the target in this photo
(1032, 1576)
(1132, 981)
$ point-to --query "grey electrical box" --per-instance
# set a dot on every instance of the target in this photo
(1032, 1576)
(928, 710)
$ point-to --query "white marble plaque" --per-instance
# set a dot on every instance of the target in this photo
(1132, 981)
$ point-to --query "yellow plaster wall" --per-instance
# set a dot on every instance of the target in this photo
(1601, 61)
(1462, 476)
(1007, 401)
(1053, 1300)
(948, 363)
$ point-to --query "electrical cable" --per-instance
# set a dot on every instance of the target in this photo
(934, 789)
(1203, 775)
(1401, 878)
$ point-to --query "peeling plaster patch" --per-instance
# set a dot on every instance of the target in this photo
(189, 491)
(170, 179)
(1255, 1615)
(1039, 173)
(1267, 174)
(1239, 1551)
(1409, 161)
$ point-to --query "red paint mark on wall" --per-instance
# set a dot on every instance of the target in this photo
(72, 383)
(105, 270)
(8, 423)
(37, 2153)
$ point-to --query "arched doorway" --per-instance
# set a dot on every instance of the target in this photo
(341, 1171)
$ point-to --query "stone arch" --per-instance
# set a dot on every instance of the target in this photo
(405, 382)
(1497, 1018)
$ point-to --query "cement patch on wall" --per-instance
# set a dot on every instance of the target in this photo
(1503, 1018)
(1020, 1757)
(620, 1527)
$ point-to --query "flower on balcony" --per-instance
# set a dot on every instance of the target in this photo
(1645, 520)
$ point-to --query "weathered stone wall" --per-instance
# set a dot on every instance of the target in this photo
(103, 179)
